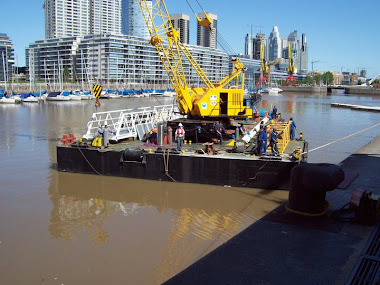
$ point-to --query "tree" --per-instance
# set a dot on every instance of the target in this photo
(328, 78)
(308, 80)
(317, 79)
(66, 74)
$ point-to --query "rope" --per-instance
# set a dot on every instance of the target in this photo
(257, 172)
(327, 205)
(338, 140)
(88, 161)
(166, 165)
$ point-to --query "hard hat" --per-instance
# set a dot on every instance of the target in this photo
(180, 125)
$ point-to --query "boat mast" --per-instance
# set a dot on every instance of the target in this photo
(5, 76)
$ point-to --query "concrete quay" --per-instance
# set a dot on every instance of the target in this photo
(362, 90)
(286, 248)
(305, 89)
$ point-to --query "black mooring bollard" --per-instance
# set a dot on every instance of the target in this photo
(308, 185)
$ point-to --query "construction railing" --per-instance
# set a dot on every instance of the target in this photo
(130, 123)
(283, 131)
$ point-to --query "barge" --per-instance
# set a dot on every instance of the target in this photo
(233, 163)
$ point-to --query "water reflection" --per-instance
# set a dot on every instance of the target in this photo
(87, 229)
(195, 223)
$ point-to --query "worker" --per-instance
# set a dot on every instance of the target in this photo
(242, 130)
(180, 136)
(274, 113)
(262, 125)
(219, 132)
(273, 142)
(263, 141)
(106, 133)
(293, 128)
(100, 131)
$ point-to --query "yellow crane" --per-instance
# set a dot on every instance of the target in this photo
(290, 79)
(264, 78)
(214, 99)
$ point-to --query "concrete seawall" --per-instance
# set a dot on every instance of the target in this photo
(305, 89)
(285, 248)
(362, 90)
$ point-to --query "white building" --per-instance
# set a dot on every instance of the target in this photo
(105, 16)
(274, 45)
(181, 22)
(117, 58)
(248, 48)
(67, 18)
(133, 22)
(6, 57)
(205, 37)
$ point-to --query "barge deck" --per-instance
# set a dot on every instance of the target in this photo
(228, 164)
(133, 159)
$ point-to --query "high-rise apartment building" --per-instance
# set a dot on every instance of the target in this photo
(274, 44)
(6, 57)
(304, 54)
(295, 49)
(248, 49)
(181, 22)
(205, 37)
(67, 18)
(105, 16)
(277, 47)
(260, 39)
(133, 22)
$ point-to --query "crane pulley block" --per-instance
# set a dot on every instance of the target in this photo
(205, 22)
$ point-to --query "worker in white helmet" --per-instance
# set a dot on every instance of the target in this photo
(180, 136)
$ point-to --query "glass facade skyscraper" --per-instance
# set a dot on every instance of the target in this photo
(133, 22)
(274, 44)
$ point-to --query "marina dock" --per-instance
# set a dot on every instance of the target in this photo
(356, 107)
(283, 248)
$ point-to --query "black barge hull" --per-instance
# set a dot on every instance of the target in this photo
(225, 171)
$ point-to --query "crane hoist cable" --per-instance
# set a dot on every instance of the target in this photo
(222, 43)
(190, 6)
(199, 5)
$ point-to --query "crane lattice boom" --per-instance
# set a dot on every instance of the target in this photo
(213, 99)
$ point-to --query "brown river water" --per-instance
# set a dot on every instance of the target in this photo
(65, 228)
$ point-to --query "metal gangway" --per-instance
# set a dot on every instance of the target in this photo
(131, 123)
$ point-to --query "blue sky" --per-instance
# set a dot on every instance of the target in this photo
(342, 34)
